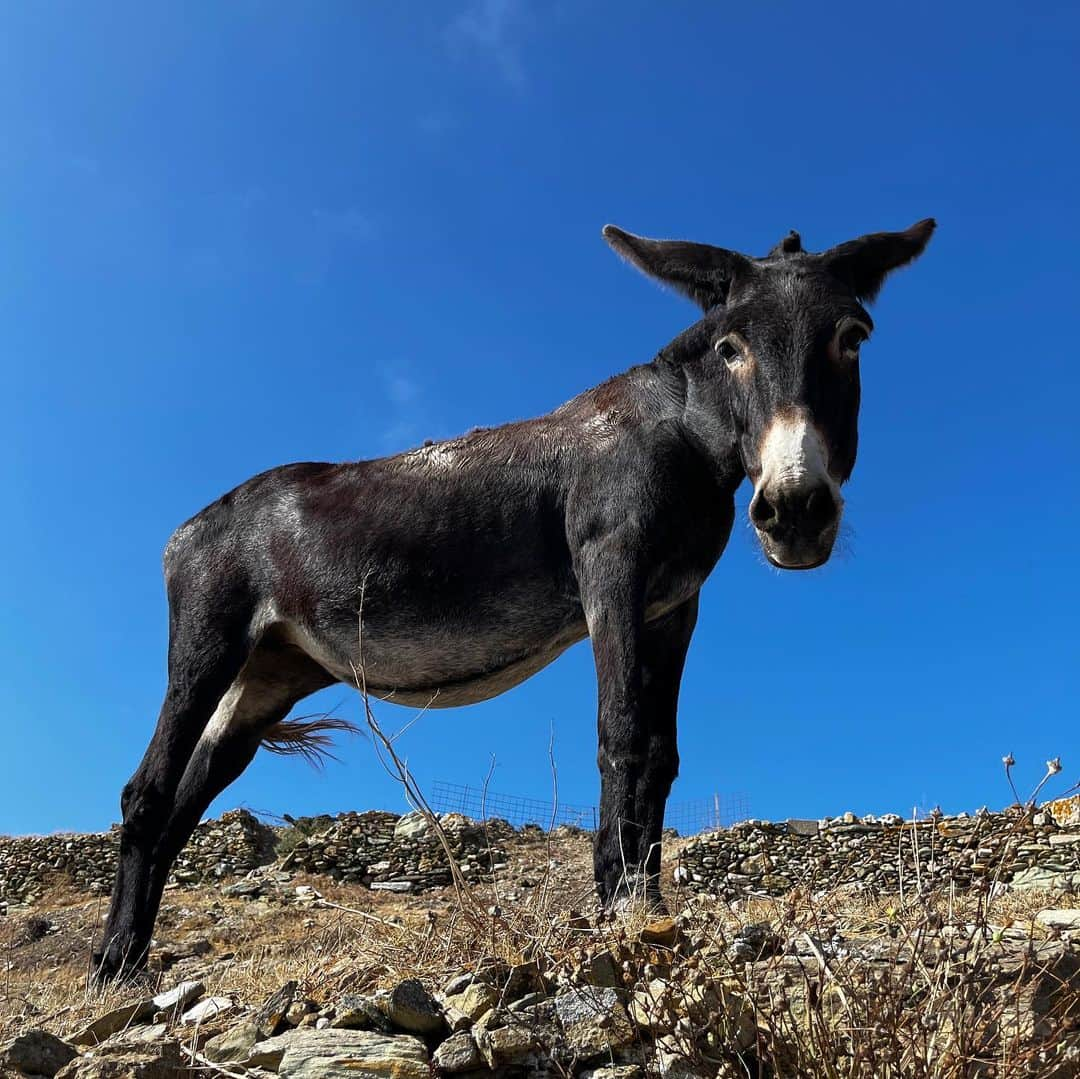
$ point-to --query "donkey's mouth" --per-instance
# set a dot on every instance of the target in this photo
(797, 553)
(774, 561)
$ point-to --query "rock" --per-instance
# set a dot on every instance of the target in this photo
(458, 984)
(295, 1012)
(803, 827)
(754, 941)
(392, 886)
(672, 1062)
(663, 933)
(518, 981)
(271, 1016)
(206, 1009)
(121, 1060)
(352, 1054)
(458, 1054)
(1059, 919)
(479, 997)
(36, 1052)
(411, 1007)
(356, 1012)
(614, 1071)
(179, 997)
(112, 1022)
(602, 970)
(1048, 879)
(652, 1008)
(593, 1020)
(195, 948)
(411, 826)
(234, 1045)
(505, 1044)
(246, 889)
(151, 1032)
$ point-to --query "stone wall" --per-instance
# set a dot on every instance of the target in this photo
(227, 847)
(1018, 848)
(381, 850)
(385, 851)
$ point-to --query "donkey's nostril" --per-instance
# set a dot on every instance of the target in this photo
(763, 513)
(819, 510)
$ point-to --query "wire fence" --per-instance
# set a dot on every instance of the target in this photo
(687, 818)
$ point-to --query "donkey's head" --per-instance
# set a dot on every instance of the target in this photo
(781, 338)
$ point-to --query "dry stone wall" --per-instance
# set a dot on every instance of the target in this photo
(402, 854)
(381, 850)
(1020, 848)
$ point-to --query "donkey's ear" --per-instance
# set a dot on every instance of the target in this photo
(701, 272)
(863, 264)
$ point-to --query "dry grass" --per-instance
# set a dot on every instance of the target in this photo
(942, 998)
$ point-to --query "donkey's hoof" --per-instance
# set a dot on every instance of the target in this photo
(108, 966)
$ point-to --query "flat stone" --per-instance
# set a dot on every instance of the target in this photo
(37, 1052)
(151, 1032)
(352, 1054)
(206, 1009)
(1049, 879)
(112, 1022)
(458, 1054)
(179, 997)
(392, 886)
(803, 827)
(1059, 918)
(125, 1061)
(234, 1045)
(411, 1007)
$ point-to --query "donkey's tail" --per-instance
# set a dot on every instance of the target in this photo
(309, 736)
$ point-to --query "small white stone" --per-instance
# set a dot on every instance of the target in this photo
(207, 1009)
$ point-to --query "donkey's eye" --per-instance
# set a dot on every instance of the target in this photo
(849, 337)
(728, 351)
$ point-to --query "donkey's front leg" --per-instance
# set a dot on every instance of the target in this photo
(612, 591)
(663, 651)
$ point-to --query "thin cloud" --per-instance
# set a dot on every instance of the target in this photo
(491, 27)
(405, 410)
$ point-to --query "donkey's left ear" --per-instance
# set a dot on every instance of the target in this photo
(699, 271)
(863, 264)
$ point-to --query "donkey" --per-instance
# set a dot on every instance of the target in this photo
(466, 566)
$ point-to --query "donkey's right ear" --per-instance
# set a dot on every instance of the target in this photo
(699, 271)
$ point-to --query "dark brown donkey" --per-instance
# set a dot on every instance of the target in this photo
(475, 562)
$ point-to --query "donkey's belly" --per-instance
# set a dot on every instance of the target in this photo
(440, 666)
(477, 686)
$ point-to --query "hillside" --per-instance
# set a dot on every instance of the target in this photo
(871, 947)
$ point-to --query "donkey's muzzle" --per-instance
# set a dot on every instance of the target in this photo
(797, 525)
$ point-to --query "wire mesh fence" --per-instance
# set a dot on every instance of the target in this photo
(687, 818)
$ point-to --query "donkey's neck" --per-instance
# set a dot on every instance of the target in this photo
(696, 398)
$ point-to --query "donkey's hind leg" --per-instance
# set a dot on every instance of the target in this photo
(276, 677)
(206, 652)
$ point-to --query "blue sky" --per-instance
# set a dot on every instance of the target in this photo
(239, 235)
